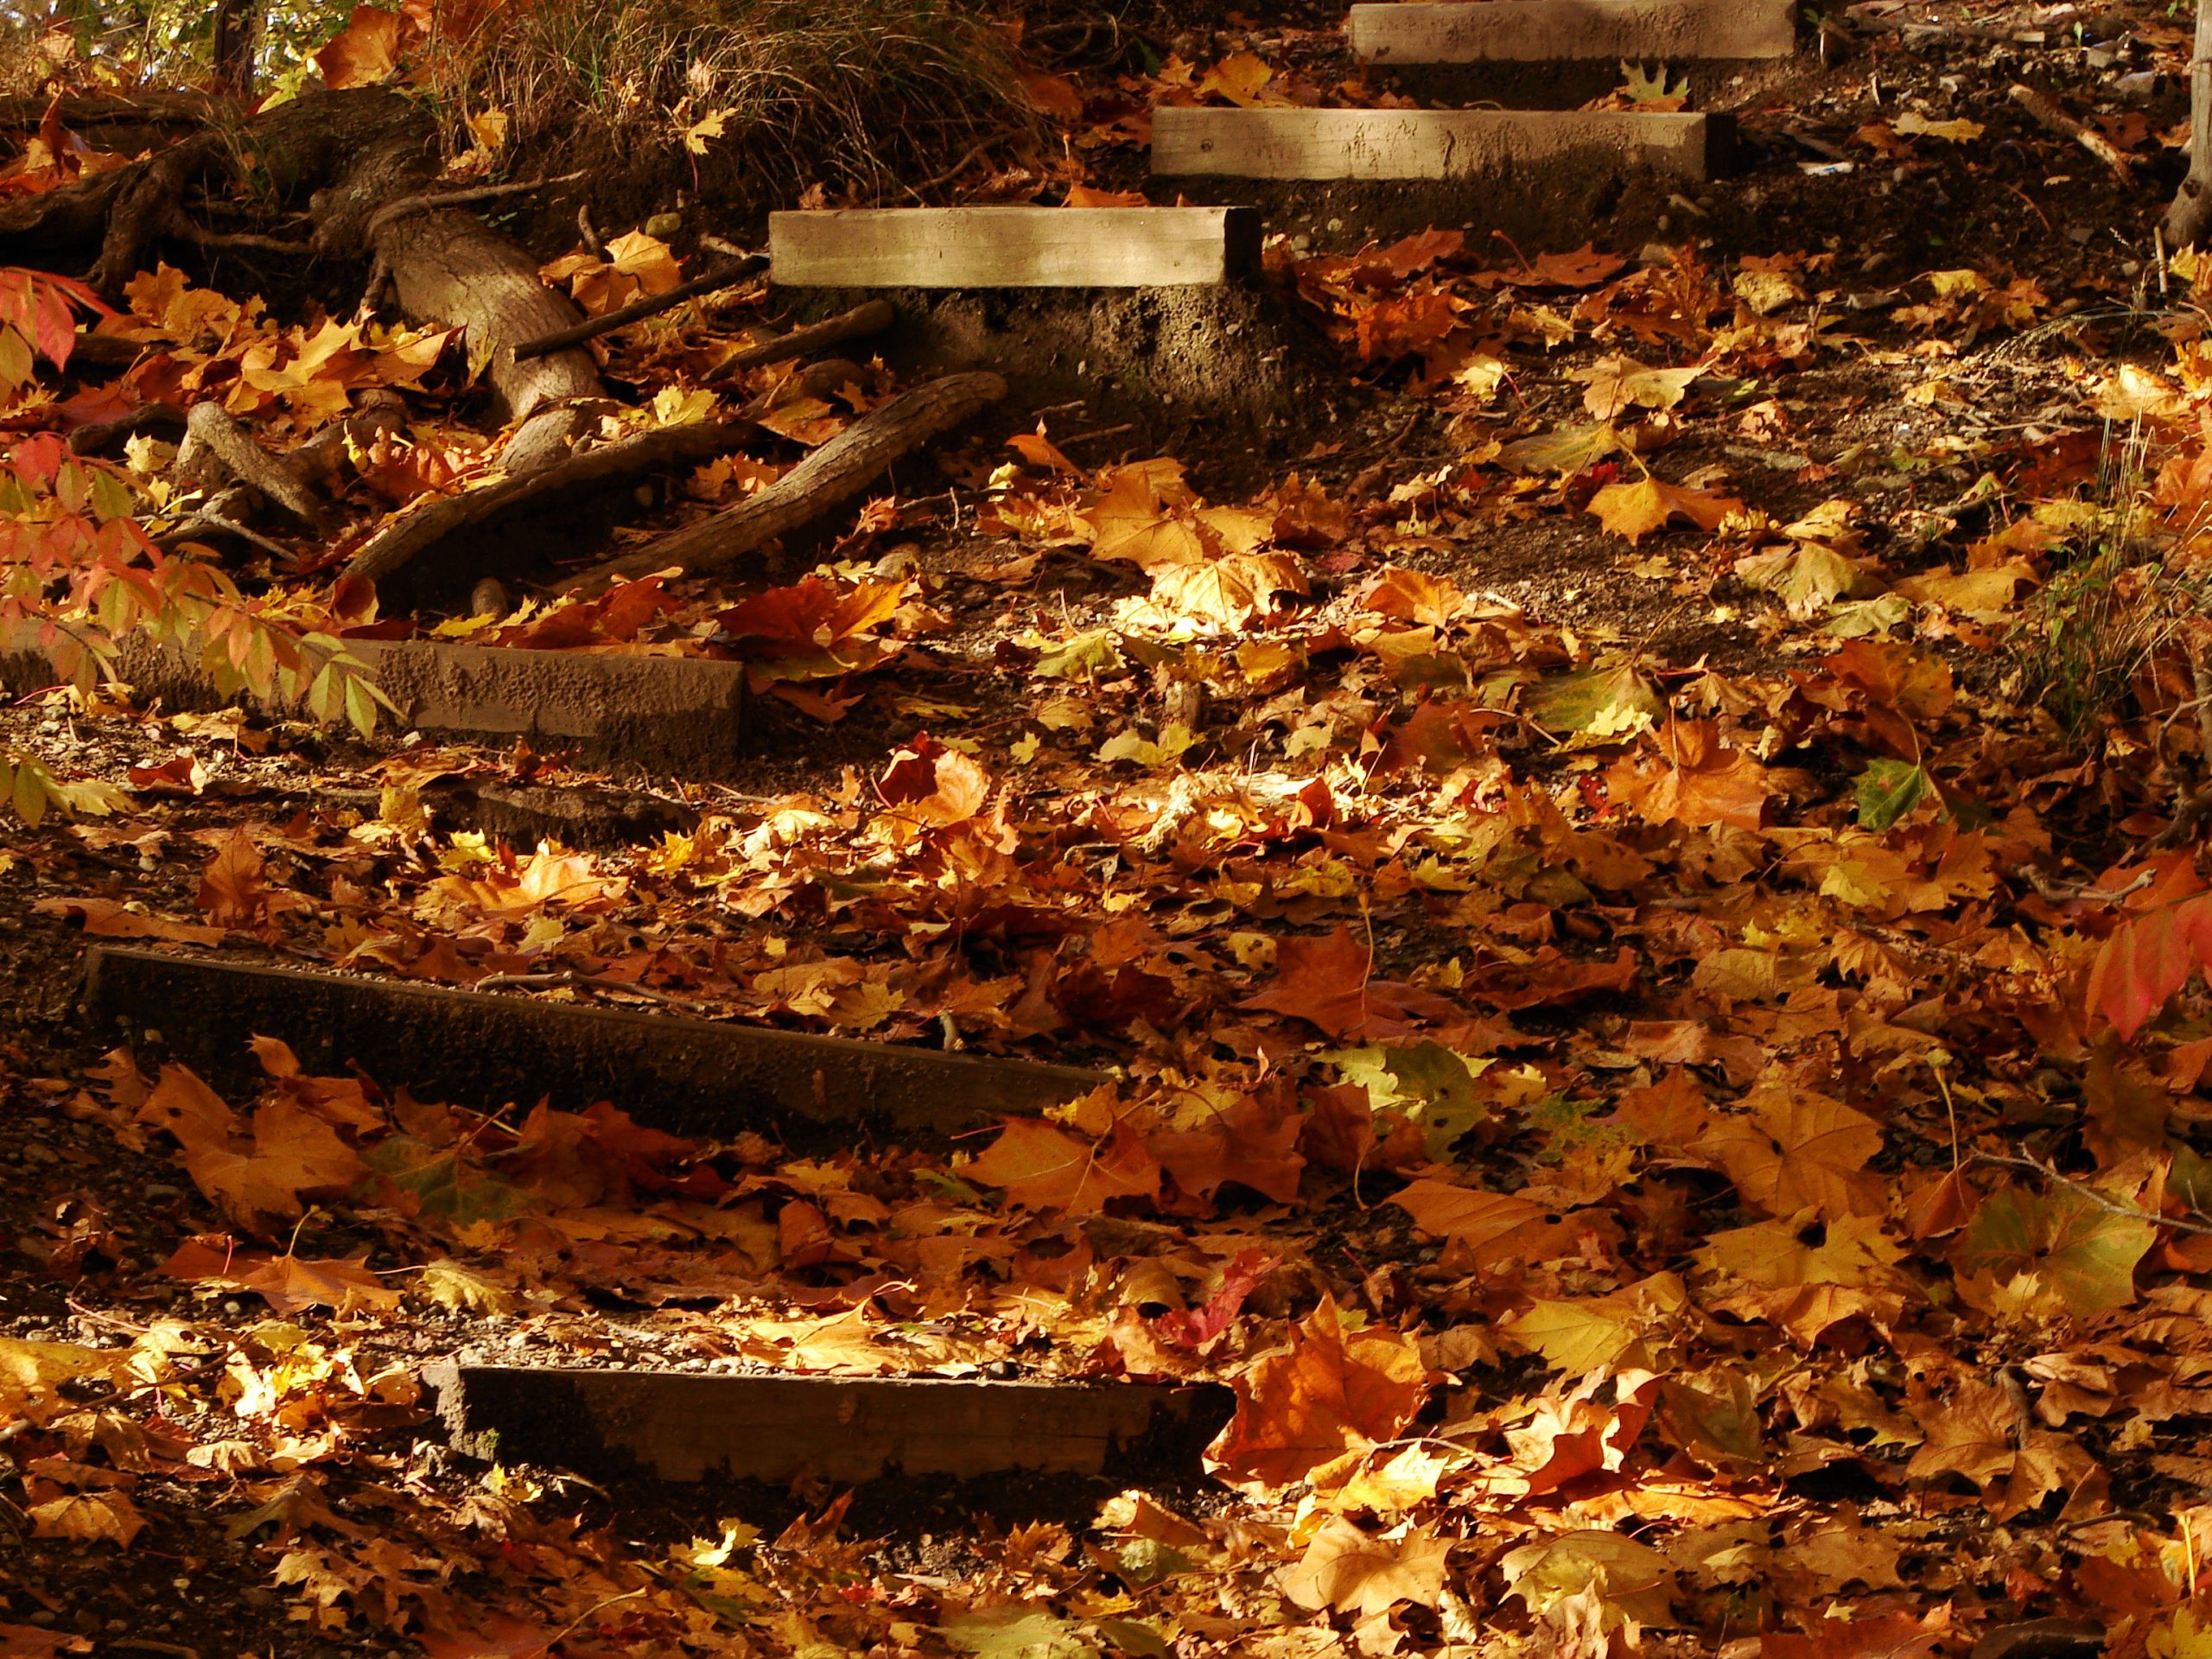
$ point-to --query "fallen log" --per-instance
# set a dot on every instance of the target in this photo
(832, 474)
(406, 538)
(860, 322)
(683, 1426)
(721, 275)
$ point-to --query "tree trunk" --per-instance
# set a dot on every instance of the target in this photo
(2191, 213)
(238, 37)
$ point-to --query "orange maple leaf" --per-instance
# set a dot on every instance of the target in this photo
(1326, 1395)
(233, 885)
(1042, 1167)
(1322, 981)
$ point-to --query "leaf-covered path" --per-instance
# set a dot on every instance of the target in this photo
(1633, 858)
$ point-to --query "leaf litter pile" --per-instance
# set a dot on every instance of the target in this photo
(1643, 907)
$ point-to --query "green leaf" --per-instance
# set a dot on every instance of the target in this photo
(1427, 1083)
(1601, 701)
(2085, 1254)
(1890, 789)
(26, 791)
(1093, 656)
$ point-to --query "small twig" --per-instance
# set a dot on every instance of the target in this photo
(2179, 1224)
(186, 231)
(589, 232)
(423, 204)
(2065, 892)
(955, 169)
(721, 275)
(571, 980)
(2192, 812)
(147, 1644)
(2046, 112)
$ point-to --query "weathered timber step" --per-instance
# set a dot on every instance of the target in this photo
(1013, 247)
(692, 1077)
(1426, 144)
(672, 714)
(685, 1425)
(1675, 32)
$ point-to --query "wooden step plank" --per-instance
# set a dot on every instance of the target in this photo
(680, 714)
(1013, 247)
(1554, 31)
(684, 1426)
(1434, 144)
(699, 1077)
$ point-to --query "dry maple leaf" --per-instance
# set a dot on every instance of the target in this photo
(1798, 1150)
(1041, 1167)
(293, 1154)
(233, 885)
(31, 1374)
(107, 918)
(545, 877)
(1978, 1434)
(1322, 981)
(930, 786)
(1636, 509)
(1703, 781)
(365, 51)
(88, 1518)
(1328, 1394)
(291, 1283)
(1354, 1571)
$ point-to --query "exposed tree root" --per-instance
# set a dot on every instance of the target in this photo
(859, 323)
(832, 474)
(209, 427)
(406, 538)
(721, 275)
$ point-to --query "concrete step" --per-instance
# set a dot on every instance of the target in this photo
(682, 1426)
(1013, 247)
(682, 715)
(1675, 32)
(701, 1077)
(1423, 144)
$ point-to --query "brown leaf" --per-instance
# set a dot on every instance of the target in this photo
(233, 884)
(365, 51)
(88, 1518)
(1322, 981)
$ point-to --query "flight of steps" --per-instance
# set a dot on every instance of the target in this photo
(721, 1080)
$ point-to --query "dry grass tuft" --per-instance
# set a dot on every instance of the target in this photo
(853, 94)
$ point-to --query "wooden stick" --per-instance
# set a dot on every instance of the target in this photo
(859, 323)
(2047, 113)
(719, 276)
(838, 470)
(610, 465)
(423, 204)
